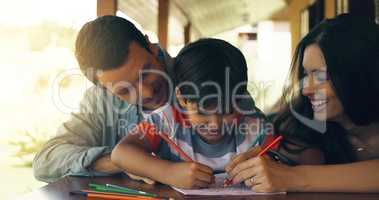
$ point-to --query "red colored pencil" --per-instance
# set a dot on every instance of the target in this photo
(150, 129)
(228, 182)
(178, 149)
(268, 147)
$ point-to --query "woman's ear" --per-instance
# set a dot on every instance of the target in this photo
(182, 102)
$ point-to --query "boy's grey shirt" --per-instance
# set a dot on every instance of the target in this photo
(103, 119)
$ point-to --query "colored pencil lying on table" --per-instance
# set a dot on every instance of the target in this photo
(109, 196)
(131, 190)
(119, 189)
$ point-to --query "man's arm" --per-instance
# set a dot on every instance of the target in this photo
(80, 147)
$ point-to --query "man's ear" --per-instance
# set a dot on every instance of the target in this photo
(182, 102)
(153, 48)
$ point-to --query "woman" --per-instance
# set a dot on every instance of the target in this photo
(331, 104)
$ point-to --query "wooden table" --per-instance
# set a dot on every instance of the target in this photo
(60, 191)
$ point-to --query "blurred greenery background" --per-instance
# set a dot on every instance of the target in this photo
(37, 43)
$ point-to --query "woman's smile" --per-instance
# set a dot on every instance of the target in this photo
(319, 105)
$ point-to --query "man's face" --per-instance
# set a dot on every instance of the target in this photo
(141, 80)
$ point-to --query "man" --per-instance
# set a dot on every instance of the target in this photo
(112, 53)
(130, 78)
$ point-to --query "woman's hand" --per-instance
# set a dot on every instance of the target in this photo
(190, 175)
(261, 174)
(242, 157)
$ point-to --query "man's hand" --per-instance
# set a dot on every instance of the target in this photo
(105, 164)
(140, 178)
(189, 175)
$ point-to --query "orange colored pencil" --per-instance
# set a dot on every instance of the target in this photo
(178, 149)
(150, 129)
(110, 196)
(120, 194)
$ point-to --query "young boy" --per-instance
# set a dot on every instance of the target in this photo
(205, 120)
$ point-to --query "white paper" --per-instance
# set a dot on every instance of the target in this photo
(218, 189)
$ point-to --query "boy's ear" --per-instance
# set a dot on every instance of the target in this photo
(153, 48)
(182, 102)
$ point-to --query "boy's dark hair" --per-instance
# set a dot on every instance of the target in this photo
(213, 61)
(103, 44)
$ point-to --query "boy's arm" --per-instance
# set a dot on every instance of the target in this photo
(133, 155)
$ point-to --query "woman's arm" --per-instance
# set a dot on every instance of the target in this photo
(133, 156)
(353, 177)
(265, 175)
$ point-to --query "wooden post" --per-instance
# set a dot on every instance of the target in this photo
(330, 9)
(106, 7)
(295, 8)
(187, 33)
(163, 15)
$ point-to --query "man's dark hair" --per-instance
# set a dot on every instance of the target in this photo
(209, 60)
(103, 43)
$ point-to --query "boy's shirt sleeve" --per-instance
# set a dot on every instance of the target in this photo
(150, 128)
(150, 135)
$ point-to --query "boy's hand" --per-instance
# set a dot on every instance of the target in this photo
(189, 175)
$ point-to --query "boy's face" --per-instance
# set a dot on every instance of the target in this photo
(208, 122)
(141, 80)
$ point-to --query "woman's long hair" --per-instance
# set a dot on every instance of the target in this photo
(351, 50)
